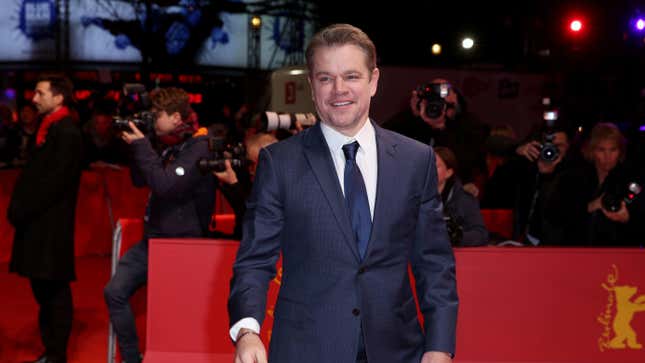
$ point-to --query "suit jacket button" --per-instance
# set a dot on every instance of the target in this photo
(356, 312)
(361, 270)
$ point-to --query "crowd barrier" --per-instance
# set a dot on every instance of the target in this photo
(516, 304)
(105, 194)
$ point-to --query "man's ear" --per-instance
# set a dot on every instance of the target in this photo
(176, 118)
(59, 98)
(449, 173)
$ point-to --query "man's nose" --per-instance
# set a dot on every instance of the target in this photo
(339, 85)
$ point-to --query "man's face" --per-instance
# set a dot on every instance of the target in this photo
(165, 123)
(45, 101)
(342, 87)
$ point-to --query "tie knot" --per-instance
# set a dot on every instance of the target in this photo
(350, 150)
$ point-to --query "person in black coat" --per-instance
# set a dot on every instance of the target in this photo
(180, 205)
(460, 208)
(42, 209)
(589, 201)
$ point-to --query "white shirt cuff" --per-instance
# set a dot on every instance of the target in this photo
(247, 323)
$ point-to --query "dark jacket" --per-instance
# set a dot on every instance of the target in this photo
(463, 209)
(181, 198)
(567, 208)
(43, 204)
(464, 135)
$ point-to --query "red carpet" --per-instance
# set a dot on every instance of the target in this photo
(19, 336)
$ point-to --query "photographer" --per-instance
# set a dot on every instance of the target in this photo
(588, 202)
(437, 116)
(180, 205)
(461, 210)
(236, 185)
(537, 165)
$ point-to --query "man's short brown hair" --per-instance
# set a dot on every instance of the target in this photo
(171, 100)
(338, 35)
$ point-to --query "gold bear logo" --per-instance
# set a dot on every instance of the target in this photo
(623, 333)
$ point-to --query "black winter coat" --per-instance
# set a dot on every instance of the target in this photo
(43, 205)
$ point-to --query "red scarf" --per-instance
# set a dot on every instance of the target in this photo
(49, 120)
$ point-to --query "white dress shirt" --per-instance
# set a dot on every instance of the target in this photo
(366, 159)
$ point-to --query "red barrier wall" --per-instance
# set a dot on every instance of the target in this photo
(517, 304)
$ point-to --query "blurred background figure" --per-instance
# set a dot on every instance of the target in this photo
(461, 209)
(588, 202)
(27, 127)
(8, 136)
(438, 116)
(101, 144)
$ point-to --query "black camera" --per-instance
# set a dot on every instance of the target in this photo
(455, 230)
(549, 152)
(271, 121)
(144, 121)
(612, 199)
(434, 94)
(134, 107)
(220, 151)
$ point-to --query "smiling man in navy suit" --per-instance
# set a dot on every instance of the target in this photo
(350, 206)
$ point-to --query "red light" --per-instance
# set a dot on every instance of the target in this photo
(630, 196)
(575, 25)
(195, 98)
(82, 94)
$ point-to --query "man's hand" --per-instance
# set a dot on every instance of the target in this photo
(436, 357)
(620, 216)
(249, 348)
(471, 189)
(530, 150)
(227, 176)
(594, 205)
(129, 137)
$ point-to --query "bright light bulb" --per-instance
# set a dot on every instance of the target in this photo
(576, 25)
(467, 43)
(436, 49)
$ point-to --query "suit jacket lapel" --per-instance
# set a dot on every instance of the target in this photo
(322, 165)
(385, 181)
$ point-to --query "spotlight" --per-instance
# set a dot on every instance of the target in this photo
(639, 24)
(436, 49)
(575, 25)
(467, 43)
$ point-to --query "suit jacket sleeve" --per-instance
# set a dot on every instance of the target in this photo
(433, 265)
(260, 247)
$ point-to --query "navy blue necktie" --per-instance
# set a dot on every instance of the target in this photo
(356, 198)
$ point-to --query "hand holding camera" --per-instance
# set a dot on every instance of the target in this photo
(132, 135)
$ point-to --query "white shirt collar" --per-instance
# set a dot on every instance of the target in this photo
(335, 140)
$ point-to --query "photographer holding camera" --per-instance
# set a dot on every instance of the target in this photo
(536, 165)
(593, 203)
(437, 117)
(180, 204)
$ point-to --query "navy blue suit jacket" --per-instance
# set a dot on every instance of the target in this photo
(297, 208)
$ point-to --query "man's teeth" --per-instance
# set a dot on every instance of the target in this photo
(341, 103)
